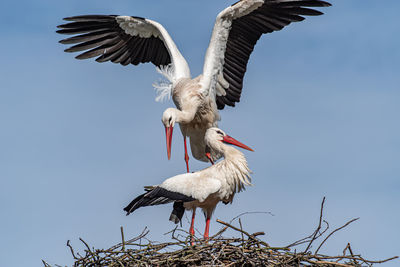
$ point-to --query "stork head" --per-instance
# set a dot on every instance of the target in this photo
(168, 119)
(216, 134)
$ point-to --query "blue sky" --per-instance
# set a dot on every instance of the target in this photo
(79, 139)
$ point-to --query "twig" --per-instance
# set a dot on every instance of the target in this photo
(139, 237)
(328, 263)
(334, 231)
(72, 250)
(241, 230)
(219, 232)
(244, 232)
(319, 226)
(87, 246)
(351, 253)
(123, 238)
(382, 261)
(308, 238)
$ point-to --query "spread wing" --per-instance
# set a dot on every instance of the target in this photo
(124, 40)
(236, 31)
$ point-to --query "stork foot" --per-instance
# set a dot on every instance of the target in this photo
(191, 230)
(206, 238)
(192, 240)
(206, 231)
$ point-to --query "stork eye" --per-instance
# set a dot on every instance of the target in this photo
(219, 132)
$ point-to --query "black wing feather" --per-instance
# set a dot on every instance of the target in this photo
(272, 16)
(156, 196)
(101, 36)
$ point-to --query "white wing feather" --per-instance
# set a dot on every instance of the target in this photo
(192, 184)
(212, 81)
(147, 28)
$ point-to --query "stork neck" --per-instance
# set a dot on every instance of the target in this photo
(235, 168)
(185, 116)
(232, 154)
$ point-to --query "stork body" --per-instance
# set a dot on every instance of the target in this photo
(195, 114)
(133, 40)
(205, 188)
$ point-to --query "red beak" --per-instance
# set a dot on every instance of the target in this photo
(168, 134)
(231, 140)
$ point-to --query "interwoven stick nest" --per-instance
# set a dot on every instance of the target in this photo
(245, 250)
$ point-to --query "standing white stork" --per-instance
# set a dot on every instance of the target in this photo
(205, 188)
(133, 40)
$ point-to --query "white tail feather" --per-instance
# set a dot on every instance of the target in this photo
(164, 87)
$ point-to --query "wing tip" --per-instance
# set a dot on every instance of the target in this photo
(325, 4)
(68, 18)
(61, 31)
(100, 59)
(63, 41)
(127, 209)
(80, 57)
(317, 13)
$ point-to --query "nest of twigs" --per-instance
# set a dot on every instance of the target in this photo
(245, 250)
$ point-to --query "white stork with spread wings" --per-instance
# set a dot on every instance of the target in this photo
(133, 40)
(205, 188)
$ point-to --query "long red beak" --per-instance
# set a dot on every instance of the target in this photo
(231, 140)
(168, 134)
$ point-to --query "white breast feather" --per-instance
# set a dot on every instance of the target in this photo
(236, 172)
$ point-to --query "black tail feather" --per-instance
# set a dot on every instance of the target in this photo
(177, 212)
(156, 196)
(130, 206)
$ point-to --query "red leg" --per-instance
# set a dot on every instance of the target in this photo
(186, 155)
(191, 230)
(208, 155)
(206, 235)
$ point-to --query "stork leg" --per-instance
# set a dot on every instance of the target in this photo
(191, 230)
(186, 154)
(208, 155)
(206, 235)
